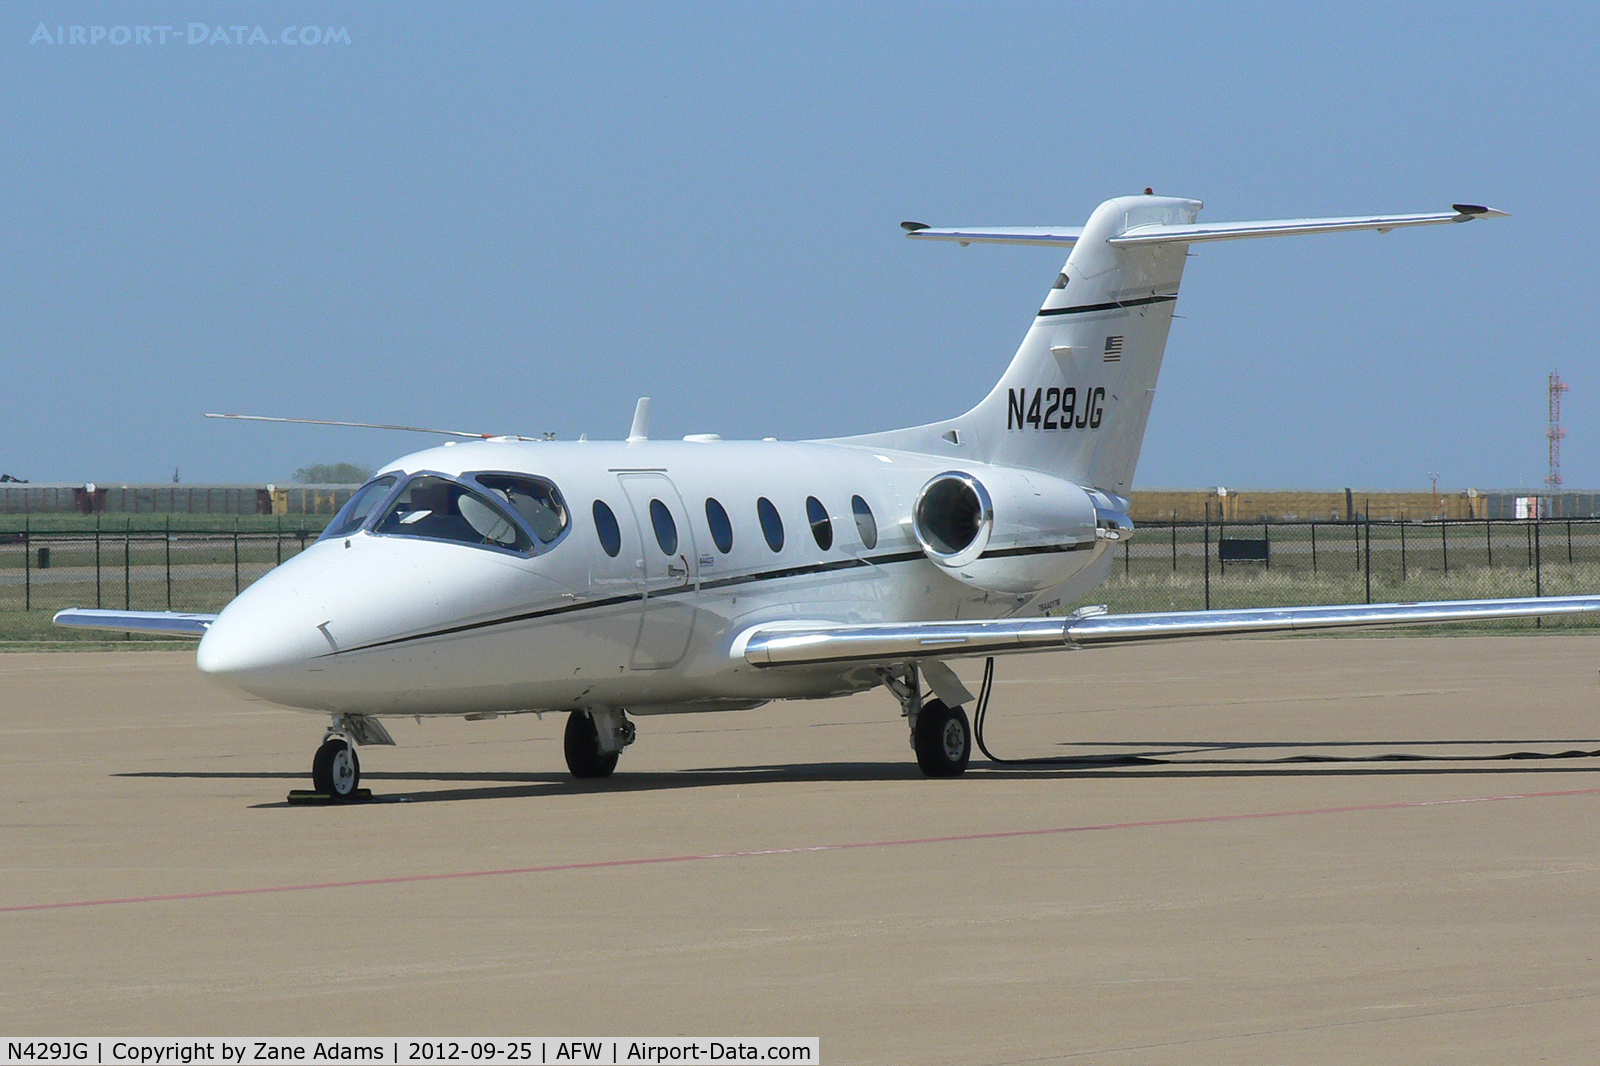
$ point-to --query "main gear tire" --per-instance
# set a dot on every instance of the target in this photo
(582, 745)
(943, 740)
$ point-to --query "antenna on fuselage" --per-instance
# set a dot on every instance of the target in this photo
(641, 421)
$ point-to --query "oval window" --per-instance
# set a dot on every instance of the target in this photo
(866, 525)
(821, 526)
(605, 526)
(666, 528)
(771, 524)
(721, 528)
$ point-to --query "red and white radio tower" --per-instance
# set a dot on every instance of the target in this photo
(1555, 432)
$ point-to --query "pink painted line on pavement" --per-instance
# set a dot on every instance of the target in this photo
(608, 864)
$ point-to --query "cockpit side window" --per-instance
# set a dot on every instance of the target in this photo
(353, 515)
(535, 499)
(440, 509)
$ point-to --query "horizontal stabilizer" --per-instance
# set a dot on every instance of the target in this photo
(798, 644)
(1197, 232)
(1042, 236)
(166, 623)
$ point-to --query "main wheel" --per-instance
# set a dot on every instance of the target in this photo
(336, 770)
(943, 739)
(582, 743)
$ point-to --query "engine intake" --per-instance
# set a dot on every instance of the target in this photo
(953, 518)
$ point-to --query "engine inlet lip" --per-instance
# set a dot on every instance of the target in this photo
(934, 548)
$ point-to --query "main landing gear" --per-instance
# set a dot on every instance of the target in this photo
(595, 738)
(940, 733)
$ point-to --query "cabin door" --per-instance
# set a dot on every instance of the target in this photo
(668, 567)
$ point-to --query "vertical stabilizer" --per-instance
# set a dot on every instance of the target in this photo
(1075, 400)
(1076, 397)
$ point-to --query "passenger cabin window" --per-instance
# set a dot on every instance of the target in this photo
(866, 525)
(353, 515)
(721, 528)
(821, 525)
(666, 529)
(771, 524)
(535, 499)
(437, 508)
(606, 528)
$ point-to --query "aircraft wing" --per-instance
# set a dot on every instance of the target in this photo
(799, 644)
(166, 623)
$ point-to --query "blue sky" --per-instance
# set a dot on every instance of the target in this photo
(520, 217)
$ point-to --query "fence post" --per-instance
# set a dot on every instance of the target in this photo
(1267, 540)
(127, 563)
(1127, 549)
(1402, 550)
(1356, 528)
(1369, 552)
(1444, 544)
(1538, 569)
(1313, 549)
(1531, 524)
(236, 557)
(1205, 552)
(27, 563)
(1569, 542)
(97, 602)
(1175, 543)
(168, 540)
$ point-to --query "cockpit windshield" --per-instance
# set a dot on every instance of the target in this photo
(440, 509)
(536, 500)
(353, 515)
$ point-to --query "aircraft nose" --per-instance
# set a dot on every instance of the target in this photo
(265, 641)
(244, 642)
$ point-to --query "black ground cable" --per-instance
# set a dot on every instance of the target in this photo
(980, 714)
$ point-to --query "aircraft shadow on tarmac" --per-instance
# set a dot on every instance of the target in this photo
(1199, 759)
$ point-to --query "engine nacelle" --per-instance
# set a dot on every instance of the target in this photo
(1012, 531)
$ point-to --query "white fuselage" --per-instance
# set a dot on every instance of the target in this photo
(386, 624)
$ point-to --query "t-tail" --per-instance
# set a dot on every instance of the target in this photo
(1076, 398)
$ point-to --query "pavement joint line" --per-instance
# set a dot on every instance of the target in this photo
(608, 864)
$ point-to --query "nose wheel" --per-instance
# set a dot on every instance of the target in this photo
(336, 769)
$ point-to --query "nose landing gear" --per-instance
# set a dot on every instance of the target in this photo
(336, 769)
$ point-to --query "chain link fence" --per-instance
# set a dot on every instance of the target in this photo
(43, 571)
(1174, 567)
(1206, 566)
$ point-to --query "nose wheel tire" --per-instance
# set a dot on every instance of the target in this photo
(943, 739)
(582, 743)
(336, 770)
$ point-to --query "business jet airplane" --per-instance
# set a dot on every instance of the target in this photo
(500, 575)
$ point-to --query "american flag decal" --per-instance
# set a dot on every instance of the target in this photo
(1113, 350)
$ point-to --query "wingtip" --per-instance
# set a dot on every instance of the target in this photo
(1478, 211)
(914, 227)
